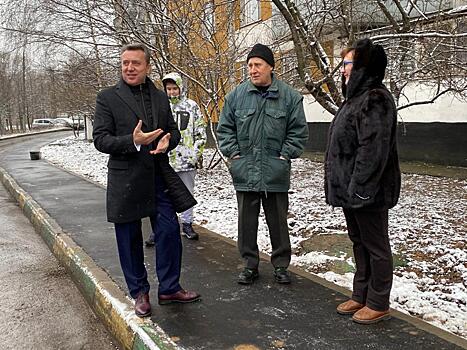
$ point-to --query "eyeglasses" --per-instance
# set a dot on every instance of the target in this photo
(344, 63)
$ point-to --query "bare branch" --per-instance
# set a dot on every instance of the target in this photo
(418, 35)
(431, 100)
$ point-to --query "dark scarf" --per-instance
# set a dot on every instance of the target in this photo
(143, 99)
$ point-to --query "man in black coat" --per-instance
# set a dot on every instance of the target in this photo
(134, 125)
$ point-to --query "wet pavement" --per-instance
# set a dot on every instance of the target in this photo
(261, 316)
(41, 308)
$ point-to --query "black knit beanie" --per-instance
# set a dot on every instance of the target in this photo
(262, 51)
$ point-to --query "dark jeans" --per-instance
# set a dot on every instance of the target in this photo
(275, 206)
(368, 230)
(168, 248)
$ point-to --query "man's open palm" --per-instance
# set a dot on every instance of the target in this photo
(162, 145)
(145, 138)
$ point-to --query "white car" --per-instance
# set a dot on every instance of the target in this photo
(42, 123)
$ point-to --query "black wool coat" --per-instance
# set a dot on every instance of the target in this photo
(131, 173)
(361, 161)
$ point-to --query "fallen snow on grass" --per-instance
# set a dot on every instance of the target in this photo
(428, 228)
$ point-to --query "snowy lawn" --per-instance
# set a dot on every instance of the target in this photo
(428, 229)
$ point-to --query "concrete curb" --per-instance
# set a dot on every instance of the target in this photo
(106, 299)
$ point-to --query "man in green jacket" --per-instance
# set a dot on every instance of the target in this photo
(261, 128)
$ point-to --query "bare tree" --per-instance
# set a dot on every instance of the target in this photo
(425, 41)
(75, 47)
(58, 34)
(6, 96)
(193, 38)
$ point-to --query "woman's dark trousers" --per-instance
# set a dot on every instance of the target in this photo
(368, 230)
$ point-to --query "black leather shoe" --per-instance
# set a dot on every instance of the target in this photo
(247, 276)
(142, 305)
(282, 275)
(188, 232)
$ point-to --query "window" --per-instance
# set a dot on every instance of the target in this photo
(462, 45)
(250, 10)
(279, 24)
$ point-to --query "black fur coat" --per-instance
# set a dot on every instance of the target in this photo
(361, 162)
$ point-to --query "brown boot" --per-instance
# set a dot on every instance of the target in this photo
(142, 305)
(182, 296)
(349, 307)
(370, 316)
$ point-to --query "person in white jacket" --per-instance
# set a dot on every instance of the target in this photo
(186, 157)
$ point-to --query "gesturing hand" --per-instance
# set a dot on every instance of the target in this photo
(145, 138)
(162, 145)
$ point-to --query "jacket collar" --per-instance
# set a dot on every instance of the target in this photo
(272, 91)
(124, 92)
(360, 82)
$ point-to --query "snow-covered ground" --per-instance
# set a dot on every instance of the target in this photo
(428, 229)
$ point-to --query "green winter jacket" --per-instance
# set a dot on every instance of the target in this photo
(260, 128)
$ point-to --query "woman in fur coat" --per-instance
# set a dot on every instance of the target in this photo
(362, 176)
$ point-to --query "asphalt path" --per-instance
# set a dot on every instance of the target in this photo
(263, 316)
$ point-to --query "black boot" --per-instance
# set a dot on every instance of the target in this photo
(188, 232)
(282, 275)
(247, 276)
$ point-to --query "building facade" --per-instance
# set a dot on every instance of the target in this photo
(433, 131)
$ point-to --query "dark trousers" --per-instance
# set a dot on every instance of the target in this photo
(275, 206)
(368, 230)
(168, 248)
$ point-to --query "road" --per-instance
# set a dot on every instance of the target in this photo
(40, 307)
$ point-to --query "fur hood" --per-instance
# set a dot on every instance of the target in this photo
(369, 66)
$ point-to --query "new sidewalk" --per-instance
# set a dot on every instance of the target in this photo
(69, 213)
